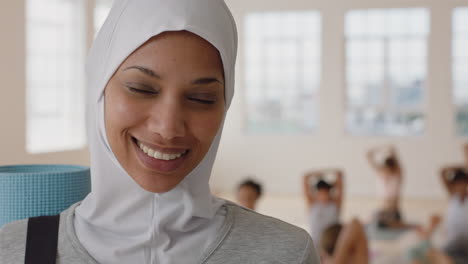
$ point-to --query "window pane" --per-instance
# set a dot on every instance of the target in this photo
(55, 76)
(407, 62)
(386, 53)
(282, 72)
(460, 68)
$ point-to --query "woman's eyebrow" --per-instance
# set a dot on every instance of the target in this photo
(144, 70)
(151, 73)
(207, 80)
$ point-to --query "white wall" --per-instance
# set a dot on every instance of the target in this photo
(280, 161)
(12, 93)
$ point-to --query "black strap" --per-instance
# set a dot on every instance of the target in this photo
(42, 239)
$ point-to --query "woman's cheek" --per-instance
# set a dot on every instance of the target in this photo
(125, 111)
(209, 126)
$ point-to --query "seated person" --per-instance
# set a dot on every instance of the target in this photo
(391, 219)
(248, 194)
(455, 180)
(390, 175)
(423, 252)
(344, 244)
(323, 200)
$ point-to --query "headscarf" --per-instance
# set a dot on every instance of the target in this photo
(119, 222)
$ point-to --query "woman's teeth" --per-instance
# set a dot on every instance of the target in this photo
(159, 155)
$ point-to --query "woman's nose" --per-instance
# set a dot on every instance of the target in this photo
(167, 120)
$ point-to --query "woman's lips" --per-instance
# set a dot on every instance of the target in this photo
(160, 161)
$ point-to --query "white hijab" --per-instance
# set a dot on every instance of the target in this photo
(119, 222)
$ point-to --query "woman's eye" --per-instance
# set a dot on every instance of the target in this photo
(202, 100)
(142, 91)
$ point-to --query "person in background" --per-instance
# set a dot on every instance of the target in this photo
(344, 244)
(455, 180)
(390, 175)
(423, 252)
(391, 219)
(323, 199)
(248, 193)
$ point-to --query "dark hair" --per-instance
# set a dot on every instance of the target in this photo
(323, 185)
(252, 184)
(391, 162)
(330, 237)
(459, 175)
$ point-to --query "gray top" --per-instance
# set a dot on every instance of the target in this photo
(246, 237)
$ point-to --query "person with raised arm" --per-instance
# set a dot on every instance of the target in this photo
(324, 198)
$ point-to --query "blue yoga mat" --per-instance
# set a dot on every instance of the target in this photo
(34, 190)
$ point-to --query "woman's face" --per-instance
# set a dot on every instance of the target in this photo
(163, 108)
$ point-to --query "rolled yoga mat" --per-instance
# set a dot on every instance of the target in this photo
(35, 190)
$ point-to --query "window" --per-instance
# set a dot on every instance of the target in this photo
(386, 57)
(55, 49)
(101, 10)
(282, 71)
(460, 68)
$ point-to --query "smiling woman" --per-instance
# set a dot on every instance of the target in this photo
(163, 108)
(160, 81)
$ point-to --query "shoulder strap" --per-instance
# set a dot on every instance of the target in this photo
(42, 240)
